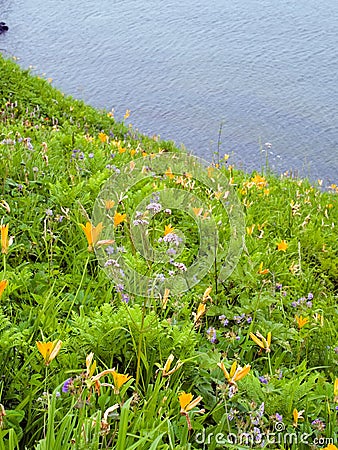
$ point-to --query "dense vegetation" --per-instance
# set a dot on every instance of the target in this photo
(87, 363)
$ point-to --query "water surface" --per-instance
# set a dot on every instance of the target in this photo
(266, 69)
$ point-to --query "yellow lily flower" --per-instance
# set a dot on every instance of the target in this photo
(187, 403)
(236, 373)
(282, 246)
(168, 229)
(197, 211)
(301, 321)
(109, 204)
(119, 380)
(90, 367)
(200, 311)
(3, 285)
(335, 390)
(169, 173)
(206, 295)
(296, 416)
(119, 218)
(103, 137)
(165, 298)
(262, 271)
(259, 181)
(250, 230)
(92, 233)
(49, 350)
(166, 372)
(261, 341)
(330, 447)
(4, 238)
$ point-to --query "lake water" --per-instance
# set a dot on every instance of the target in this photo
(266, 69)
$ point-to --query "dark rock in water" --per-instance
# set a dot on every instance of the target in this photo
(3, 27)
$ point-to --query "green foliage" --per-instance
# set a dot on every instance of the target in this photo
(56, 154)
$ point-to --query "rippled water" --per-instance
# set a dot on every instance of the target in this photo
(267, 69)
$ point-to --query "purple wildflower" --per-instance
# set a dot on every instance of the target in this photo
(211, 332)
(224, 320)
(319, 424)
(66, 385)
(279, 417)
(110, 250)
(182, 267)
(138, 222)
(160, 277)
(263, 380)
(156, 207)
(119, 287)
(257, 434)
(171, 252)
(112, 262)
(172, 238)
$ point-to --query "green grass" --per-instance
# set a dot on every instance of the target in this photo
(56, 155)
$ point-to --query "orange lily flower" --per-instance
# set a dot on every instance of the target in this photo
(282, 245)
(109, 204)
(301, 321)
(206, 295)
(120, 379)
(119, 218)
(166, 372)
(200, 311)
(92, 233)
(49, 350)
(259, 181)
(296, 416)
(236, 373)
(197, 211)
(168, 229)
(250, 230)
(3, 285)
(187, 403)
(330, 447)
(261, 341)
(262, 271)
(103, 137)
(169, 173)
(4, 238)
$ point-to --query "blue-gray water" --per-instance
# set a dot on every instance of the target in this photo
(267, 69)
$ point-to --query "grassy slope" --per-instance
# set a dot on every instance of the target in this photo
(52, 159)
